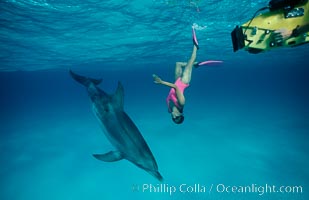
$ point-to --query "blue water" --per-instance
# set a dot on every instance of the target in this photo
(246, 120)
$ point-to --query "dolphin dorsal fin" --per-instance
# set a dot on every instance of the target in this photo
(118, 97)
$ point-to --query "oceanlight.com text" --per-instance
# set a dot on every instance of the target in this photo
(216, 188)
(258, 189)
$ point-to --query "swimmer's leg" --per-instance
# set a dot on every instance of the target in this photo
(178, 69)
(186, 76)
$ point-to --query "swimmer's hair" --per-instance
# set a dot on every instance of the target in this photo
(178, 119)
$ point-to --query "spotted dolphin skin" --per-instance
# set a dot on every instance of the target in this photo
(119, 129)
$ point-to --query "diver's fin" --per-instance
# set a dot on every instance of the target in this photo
(195, 42)
(111, 156)
(117, 98)
(207, 62)
(84, 80)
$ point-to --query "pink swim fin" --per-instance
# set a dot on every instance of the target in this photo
(195, 42)
(207, 62)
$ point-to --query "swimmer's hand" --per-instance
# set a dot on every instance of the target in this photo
(156, 79)
(282, 34)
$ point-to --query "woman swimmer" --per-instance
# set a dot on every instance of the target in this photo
(176, 99)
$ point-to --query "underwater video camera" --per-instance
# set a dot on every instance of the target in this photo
(257, 36)
(285, 4)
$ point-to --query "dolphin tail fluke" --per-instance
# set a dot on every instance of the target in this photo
(111, 156)
(84, 80)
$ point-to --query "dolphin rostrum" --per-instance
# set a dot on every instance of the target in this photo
(119, 129)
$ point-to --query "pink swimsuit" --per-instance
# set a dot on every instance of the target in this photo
(172, 94)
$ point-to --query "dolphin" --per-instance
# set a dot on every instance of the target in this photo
(119, 129)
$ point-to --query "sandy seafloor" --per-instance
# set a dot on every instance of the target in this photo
(238, 131)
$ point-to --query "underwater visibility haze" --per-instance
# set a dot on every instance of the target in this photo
(246, 120)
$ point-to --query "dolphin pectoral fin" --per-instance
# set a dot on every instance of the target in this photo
(111, 156)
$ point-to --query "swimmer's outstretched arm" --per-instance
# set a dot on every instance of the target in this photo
(158, 80)
(180, 96)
